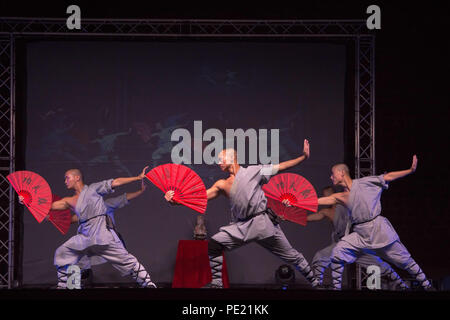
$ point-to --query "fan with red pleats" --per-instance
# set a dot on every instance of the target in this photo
(35, 191)
(188, 186)
(61, 219)
(295, 188)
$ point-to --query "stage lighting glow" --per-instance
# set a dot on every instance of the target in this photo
(285, 276)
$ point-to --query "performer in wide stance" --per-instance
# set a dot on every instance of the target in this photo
(372, 233)
(96, 235)
(252, 220)
(112, 204)
(338, 216)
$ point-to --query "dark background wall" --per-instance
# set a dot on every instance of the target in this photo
(411, 100)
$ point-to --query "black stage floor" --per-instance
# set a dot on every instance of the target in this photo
(233, 303)
(248, 294)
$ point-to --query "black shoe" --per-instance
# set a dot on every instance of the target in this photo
(392, 286)
(151, 285)
(430, 289)
(321, 287)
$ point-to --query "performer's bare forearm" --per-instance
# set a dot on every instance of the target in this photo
(215, 190)
(400, 174)
(291, 163)
(212, 193)
(315, 216)
(60, 205)
(391, 176)
(134, 195)
(327, 201)
(121, 181)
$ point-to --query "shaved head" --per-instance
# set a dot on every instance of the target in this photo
(228, 156)
(339, 174)
(73, 178)
(227, 160)
(75, 172)
(341, 167)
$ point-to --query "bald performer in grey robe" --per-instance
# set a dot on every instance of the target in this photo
(372, 233)
(341, 226)
(251, 219)
(96, 236)
(112, 204)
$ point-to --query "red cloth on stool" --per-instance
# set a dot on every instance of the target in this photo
(192, 268)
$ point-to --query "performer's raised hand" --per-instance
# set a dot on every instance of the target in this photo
(142, 175)
(290, 163)
(394, 175)
(306, 151)
(414, 164)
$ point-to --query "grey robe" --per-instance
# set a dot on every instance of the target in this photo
(111, 204)
(90, 209)
(371, 230)
(246, 198)
(340, 229)
(340, 223)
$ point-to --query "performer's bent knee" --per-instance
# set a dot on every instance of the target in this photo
(336, 252)
(60, 259)
(65, 256)
(338, 256)
(215, 248)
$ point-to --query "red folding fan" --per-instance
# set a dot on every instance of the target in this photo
(35, 191)
(188, 187)
(293, 187)
(61, 219)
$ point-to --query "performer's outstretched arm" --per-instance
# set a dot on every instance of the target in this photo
(133, 195)
(61, 204)
(315, 216)
(327, 201)
(121, 181)
(320, 215)
(391, 176)
(291, 163)
(335, 198)
(214, 191)
(211, 193)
